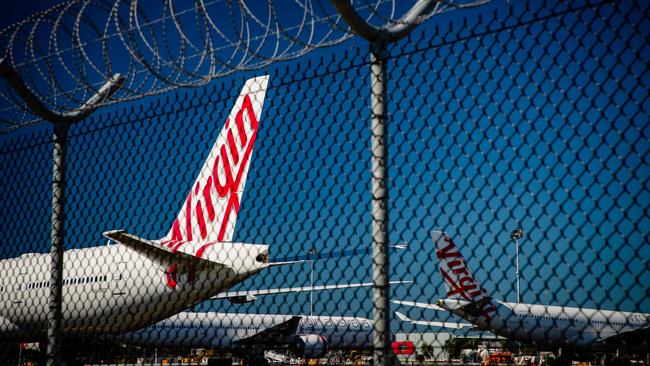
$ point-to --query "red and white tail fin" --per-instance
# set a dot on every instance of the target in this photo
(459, 280)
(209, 213)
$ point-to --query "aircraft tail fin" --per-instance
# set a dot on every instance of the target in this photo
(459, 280)
(209, 213)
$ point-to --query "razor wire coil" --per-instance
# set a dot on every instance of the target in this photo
(66, 52)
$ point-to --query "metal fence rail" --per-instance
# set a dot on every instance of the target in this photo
(514, 116)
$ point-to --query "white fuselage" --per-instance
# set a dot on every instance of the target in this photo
(552, 325)
(224, 330)
(107, 289)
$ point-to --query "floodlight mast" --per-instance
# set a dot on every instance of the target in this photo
(61, 123)
(515, 236)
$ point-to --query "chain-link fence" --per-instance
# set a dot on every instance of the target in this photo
(517, 185)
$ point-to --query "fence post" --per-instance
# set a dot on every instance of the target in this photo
(61, 123)
(60, 147)
(378, 57)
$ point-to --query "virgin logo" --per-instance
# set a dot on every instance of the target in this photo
(454, 271)
(215, 198)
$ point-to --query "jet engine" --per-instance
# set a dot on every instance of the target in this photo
(312, 345)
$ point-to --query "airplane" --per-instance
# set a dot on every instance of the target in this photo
(135, 282)
(245, 334)
(573, 328)
(307, 336)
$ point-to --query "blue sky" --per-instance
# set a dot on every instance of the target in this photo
(542, 126)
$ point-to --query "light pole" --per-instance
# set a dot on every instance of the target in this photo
(516, 235)
(312, 251)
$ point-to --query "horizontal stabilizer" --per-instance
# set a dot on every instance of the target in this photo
(155, 249)
(450, 325)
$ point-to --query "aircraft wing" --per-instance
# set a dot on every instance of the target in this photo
(451, 325)
(273, 335)
(416, 304)
(148, 246)
(250, 295)
(365, 250)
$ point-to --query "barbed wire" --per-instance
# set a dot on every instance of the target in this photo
(66, 53)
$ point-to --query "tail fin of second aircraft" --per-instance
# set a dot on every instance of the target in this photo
(459, 280)
(210, 210)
